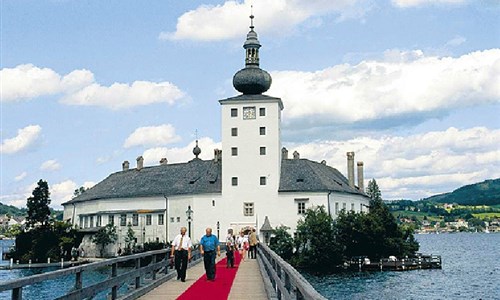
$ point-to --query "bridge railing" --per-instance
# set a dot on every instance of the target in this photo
(285, 282)
(149, 269)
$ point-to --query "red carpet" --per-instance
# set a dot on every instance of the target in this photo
(218, 289)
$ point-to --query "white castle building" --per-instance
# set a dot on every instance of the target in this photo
(252, 178)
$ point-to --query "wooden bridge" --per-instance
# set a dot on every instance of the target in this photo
(148, 276)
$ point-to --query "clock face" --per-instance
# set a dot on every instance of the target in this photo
(248, 113)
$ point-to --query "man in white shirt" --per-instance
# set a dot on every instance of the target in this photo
(181, 246)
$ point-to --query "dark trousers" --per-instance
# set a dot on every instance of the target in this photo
(209, 261)
(181, 261)
(230, 258)
(253, 251)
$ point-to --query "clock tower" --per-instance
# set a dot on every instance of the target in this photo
(251, 155)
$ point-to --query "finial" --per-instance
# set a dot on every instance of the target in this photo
(251, 17)
(196, 149)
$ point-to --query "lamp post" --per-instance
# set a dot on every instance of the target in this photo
(189, 214)
(218, 228)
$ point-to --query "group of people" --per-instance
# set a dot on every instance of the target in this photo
(245, 243)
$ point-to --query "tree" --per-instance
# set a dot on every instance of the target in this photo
(282, 242)
(129, 239)
(315, 243)
(38, 205)
(79, 191)
(105, 235)
(373, 191)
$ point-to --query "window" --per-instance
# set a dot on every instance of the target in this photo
(360, 207)
(213, 202)
(172, 219)
(111, 219)
(301, 207)
(234, 151)
(135, 220)
(234, 131)
(262, 111)
(91, 221)
(336, 208)
(352, 206)
(262, 150)
(262, 130)
(81, 222)
(160, 219)
(178, 219)
(234, 181)
(344, 206)
(86, 221)
(148, 219)
(98, 221)
(248, 209)
(234, 112)
(123, 220)
(263, 180)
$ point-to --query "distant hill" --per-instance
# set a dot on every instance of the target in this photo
(482, 193)
(11, 210)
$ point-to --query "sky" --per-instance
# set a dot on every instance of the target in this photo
(411, 86)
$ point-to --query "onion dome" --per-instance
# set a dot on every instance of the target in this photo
(252, 80)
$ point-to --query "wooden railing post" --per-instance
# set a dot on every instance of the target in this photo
(137, 278)
(78, 280)
(17, 293)
(153, 261)
(114, 289)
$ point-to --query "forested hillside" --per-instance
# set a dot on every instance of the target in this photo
(482, 193)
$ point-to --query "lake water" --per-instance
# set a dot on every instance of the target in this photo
(471, 270)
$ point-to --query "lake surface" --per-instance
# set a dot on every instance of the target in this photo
(471, 270)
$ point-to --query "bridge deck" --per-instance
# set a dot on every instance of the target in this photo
(248, 283)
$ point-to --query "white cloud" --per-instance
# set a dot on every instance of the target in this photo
(152, 156)
(26, 138)
(62, 192)
(50, 165)
(456, 41)
(226, 21)
(152, 136)
(418, 165)
(120, 95)
(21, 176)
(79, 88)
(401, 84)
(413, 3)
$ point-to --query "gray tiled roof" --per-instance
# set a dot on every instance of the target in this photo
(303, 175)
(194, 177)
(204, 176)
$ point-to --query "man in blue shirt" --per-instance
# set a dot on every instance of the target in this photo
(208, 244)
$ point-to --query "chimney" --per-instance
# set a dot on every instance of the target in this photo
(284, 153)
(217, 155)
(163, 161)
(140, 162)
(361, 178)
(125, 165)
(296, 155)
(350, 168)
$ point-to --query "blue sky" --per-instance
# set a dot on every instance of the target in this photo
(412, 86)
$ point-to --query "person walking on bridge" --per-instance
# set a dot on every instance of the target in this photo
(181, 246)
(209, 243)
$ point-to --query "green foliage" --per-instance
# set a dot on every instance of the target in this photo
(482, 193)
(315, 242)
(150, 246)
(79, 191)
(373, 191)
(12, 210)
(54, 240)
(105, 235)
(129, 239)
(38, 205)
(282, 242)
